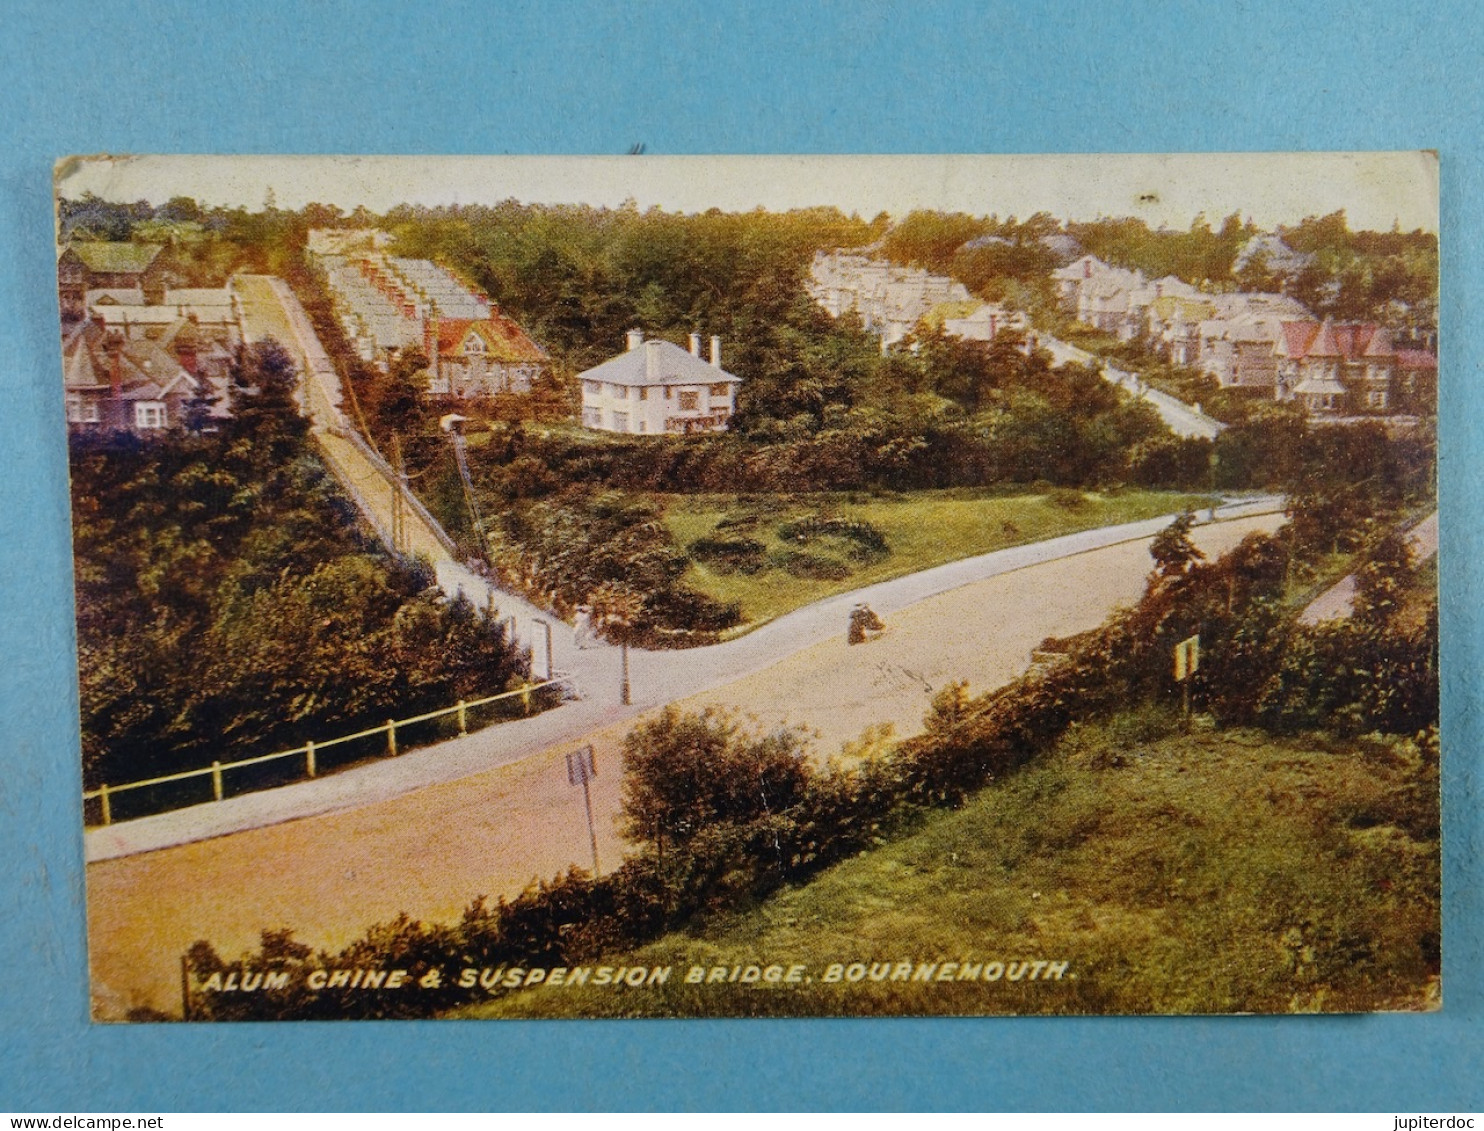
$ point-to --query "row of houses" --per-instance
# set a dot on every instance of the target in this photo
(1268, 345)
(892, 301)
(386, 304)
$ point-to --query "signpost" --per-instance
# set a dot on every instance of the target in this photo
(582, 767)
(1187, 660)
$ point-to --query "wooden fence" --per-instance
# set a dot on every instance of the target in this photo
(311, 751)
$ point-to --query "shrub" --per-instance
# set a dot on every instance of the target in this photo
(728, 554)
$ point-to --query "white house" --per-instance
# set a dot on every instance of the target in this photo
(656, 388)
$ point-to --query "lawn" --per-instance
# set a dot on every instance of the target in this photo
(921, 529)
(1208, 872)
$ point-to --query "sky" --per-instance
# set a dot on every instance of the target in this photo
(1376, 190)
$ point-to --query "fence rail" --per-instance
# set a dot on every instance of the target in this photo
(310, 751)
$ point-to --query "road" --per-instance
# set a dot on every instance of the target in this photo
(1338, 601)
(656, 678)
(1182, 419)
(451, 823)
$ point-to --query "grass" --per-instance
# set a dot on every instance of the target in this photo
(922, 529)
(1175, 873)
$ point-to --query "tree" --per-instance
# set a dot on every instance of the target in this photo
(1173, 551)
(686, 772)
(1381, 584)
(264, 410)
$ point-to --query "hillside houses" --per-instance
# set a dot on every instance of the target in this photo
(146, 367)
(388, 303)
(656, 388)
(889, 300)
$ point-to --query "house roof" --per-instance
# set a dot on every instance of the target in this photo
(1182, 306)
(114, 296)
(504, 340)
(1347, 340)
(1297, 337)
(657, 362)
(1416, 359)
(114, 257)
(198, 296)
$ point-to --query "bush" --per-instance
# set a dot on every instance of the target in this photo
(726, 555)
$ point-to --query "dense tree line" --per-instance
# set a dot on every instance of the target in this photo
(228, 604)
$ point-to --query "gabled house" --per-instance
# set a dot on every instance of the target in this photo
(1352, 369)
(469, 357)
(97, 265)
(143, 386)
(656, 388)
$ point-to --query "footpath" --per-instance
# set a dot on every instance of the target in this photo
(1182, 419)
(1338, 601)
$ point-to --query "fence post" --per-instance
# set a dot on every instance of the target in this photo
(309, 766)
(525, 697)
(391, 737)
(463, 719)
(216, 779)
(107, 808)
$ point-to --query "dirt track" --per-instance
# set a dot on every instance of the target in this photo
(430, 852)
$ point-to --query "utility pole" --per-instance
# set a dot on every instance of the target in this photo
(623, 689)
(399, 520)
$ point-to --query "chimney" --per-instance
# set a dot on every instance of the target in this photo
(716, 351)
(695, 345)
(116, 369)
(636, 339)
(652, 360)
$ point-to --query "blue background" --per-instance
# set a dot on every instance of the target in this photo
(339, 77)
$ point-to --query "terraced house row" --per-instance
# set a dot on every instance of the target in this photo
(387, 304)
(893, 301)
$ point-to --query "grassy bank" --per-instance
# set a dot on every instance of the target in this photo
(921, 529)
(1205, 872)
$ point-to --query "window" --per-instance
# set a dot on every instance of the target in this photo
(620, 422)
(1376, 398)
(592, 417)
(149, 414)
(689, 401)
(719, 390)
(473, 344)
(593, 388)
(643, 392)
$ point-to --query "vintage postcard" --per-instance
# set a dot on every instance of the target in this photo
(735, 587)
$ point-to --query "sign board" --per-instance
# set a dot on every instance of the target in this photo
(1187, 657)
(582, 767)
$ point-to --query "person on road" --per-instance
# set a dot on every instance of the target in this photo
(864, 624)
(582, 626)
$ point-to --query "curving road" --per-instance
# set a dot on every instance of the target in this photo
(1181, 418)
(487, 814)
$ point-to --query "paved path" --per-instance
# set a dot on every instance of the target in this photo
(656, 677)
(1338, 601)
(1182, 419)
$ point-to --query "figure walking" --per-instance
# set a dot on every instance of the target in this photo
(864, 624)
(582, 626)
